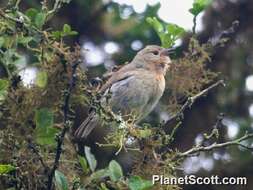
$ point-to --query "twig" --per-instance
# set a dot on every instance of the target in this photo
(215, 131)
(57, 5)
(121, 144)
(17, 4)
(194, 24)
(36, 151)
(179, 115)
(199, 149)
(226, 34)
(191, 100)
(171, 137)
(20, 21)
(66, 122)
(2, 14)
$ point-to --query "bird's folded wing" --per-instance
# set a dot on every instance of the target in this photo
(86, 127)
(121, 74)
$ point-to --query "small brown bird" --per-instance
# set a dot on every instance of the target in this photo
(134, 89)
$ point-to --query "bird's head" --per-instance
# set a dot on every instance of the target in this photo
(153, 57)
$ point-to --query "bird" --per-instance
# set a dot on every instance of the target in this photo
(135, 89)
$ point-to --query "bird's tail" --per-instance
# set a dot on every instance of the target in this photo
(86, 127)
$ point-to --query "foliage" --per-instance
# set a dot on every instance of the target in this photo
(168, 33)
(91, 159)
(44, 132)
(136, 183)
(83, 164)
(199, 6)
(54, 59)
(66, 31)
(61, 181)
(35, 117)
(41, 79)
(3, 89)
(6, 168)
(33, 112)
(115, 171)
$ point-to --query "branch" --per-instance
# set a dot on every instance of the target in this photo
(191, 100)
(226, 34)
(57, 5)
(66, 122)
(194, 24)
(36, 151)
(20, 21)
(199, 149)
(215, 131)
(5, 16)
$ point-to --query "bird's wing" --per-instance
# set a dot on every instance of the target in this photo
(127, 98)
(87, 126)
(121, 74)
(92, 120)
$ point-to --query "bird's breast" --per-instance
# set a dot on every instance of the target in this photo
(160, 82)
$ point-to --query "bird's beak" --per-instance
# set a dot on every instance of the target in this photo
(167, 52)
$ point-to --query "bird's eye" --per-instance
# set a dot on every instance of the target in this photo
(155, 52)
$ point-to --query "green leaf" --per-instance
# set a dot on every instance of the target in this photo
(37, 18)
(90, 158)
(175, 30)
(83, 164)
(20, 60)
(103, 187)
(40, 19)
(144, 133)
(41, 79)
(10, 57)
(168, 33)
(2, 40)
(60, 181)
(67, 31)
(199, 5)
(46, 136)
(136, 183)
(100, 174)
(66, 28)
(44, 118)
(57, 34)
(24, 40)
(4, 84)
(6, 168)
(31, 13)
(45, 132)
(156, 24)
(72, 33)
(115, 171)
(173, 33)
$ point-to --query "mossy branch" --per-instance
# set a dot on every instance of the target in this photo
(66, 122)
(190, 101)
(195, 150)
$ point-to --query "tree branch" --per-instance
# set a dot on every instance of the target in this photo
(6, 16)
(56, 7)
(191, 100)
(36, 151)
(226, 34)
(194, 24)
(199, 149)
(66, 123)
(215, 131)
